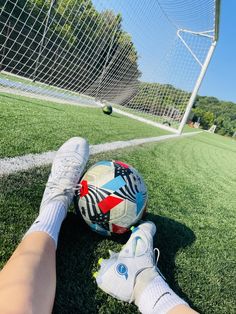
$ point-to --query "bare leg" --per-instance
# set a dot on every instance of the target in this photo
(182, 309)
(28, 280)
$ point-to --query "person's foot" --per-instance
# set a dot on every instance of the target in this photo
(117, 275)
(67, 168)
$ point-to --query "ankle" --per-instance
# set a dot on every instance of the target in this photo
(153, 294)
(49, 220)
(143, 279)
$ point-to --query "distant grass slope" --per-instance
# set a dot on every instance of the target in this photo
(34, 126)
(191, 184)
(28, 82)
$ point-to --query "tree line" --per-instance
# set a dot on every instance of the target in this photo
(166, 100)
(160, 99)
(210, 110)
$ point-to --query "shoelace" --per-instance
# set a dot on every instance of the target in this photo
(157, 254)
(62, 188)
(77, 189)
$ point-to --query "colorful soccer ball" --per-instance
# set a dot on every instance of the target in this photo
(113, 197)
(107, 109)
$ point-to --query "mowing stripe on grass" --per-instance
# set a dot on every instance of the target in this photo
(10, 165)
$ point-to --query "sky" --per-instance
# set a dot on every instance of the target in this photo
(220, 78)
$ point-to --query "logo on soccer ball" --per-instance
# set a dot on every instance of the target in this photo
(122, 270)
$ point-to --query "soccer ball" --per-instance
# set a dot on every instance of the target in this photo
(112, 197)
(107, 109)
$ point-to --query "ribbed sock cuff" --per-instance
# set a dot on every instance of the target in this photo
(49, 221)
(158, 297)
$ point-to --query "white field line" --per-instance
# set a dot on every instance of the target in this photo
(20, 163)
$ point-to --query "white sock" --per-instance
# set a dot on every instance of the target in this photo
(158, 297)
(49, 220)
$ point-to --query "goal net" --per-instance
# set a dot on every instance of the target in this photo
(147, 58)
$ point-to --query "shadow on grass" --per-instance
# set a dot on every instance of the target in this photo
(76, 288)
(171, 237)
(76, 257)
(114, 116)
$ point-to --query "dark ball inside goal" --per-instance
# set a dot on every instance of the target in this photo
(107, 109)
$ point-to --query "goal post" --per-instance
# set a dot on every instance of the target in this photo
(146, 58)
(196, 87)
(204, 66)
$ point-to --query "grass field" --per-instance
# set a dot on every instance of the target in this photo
(50, 88)
(34, 126)
(191, 184)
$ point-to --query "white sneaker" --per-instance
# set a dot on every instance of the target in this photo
(117, 275)
(67, 168)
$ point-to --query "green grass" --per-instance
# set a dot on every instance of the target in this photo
(191, 184)
(34, 126)
(147, 116)
(158, 119)
(187, 128)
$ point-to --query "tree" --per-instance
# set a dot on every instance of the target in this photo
(213, 111)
